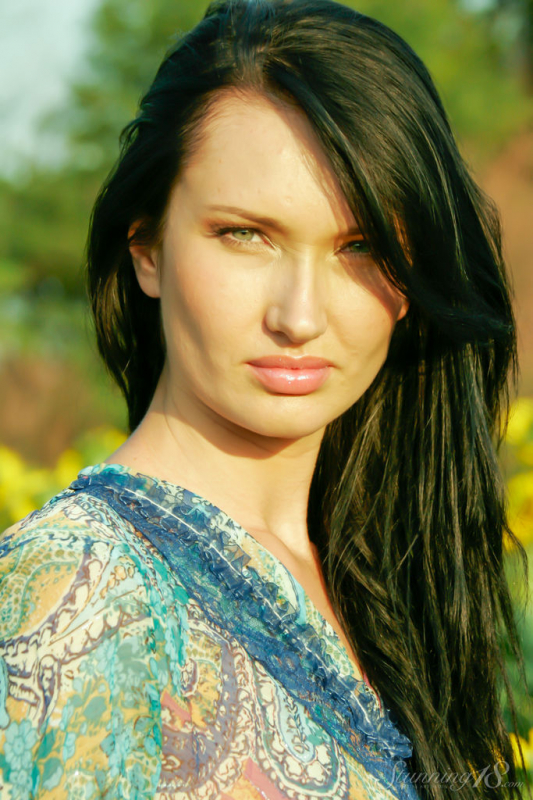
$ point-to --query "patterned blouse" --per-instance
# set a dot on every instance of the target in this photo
(151, 648)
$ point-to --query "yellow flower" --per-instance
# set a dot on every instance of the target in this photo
(24, 488)
(18, 484)
(525, 454)
(111, 438)
(527, 750)
(12, 467)
(520, 494)
(520, 421)
(98, 443)
(67, 467)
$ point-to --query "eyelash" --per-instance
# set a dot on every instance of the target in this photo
(221, 232)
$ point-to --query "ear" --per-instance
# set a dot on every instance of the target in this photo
(403, 308)
(145, 263)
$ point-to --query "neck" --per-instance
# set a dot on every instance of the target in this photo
(261, 483)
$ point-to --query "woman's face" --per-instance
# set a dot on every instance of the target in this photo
(299, 282)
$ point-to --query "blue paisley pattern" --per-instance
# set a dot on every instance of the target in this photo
(151, 648)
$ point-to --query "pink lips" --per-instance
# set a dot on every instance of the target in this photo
(289, 375)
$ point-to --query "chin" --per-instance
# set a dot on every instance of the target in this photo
(286, 424)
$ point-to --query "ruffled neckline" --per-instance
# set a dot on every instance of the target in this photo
(160, 509)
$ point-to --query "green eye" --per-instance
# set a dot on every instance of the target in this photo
(243, 230)
(359, 246)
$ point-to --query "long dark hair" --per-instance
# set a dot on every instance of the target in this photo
(407, 502)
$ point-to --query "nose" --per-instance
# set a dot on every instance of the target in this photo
(298, 304)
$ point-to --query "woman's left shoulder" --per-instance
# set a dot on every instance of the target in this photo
(75, 531)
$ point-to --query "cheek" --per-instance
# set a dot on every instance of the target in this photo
(385, 295)
(366, 335)
(202, 306)
(371, 331)
(369, 314)
(373, 298)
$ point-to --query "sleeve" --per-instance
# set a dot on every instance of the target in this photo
(80, 668)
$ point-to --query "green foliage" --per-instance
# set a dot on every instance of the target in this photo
(484, 98)
(46, 217)
(45, 225)
(13, 276)
(524, 614)
(512, 21)
(130, 38)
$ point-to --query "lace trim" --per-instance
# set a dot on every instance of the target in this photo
(181, 525)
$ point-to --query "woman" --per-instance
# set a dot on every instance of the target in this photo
(288, 581)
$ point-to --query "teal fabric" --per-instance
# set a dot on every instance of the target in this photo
(151, 647)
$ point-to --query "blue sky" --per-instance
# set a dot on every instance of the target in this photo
(41, 47)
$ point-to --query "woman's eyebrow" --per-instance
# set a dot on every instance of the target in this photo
(269, 222)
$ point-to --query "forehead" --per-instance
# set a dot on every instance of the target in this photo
(261, 151)
(233, 107)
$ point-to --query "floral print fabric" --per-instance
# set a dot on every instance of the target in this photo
(151, 648)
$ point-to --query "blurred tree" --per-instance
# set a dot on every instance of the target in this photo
(513, 22)
(44, 224)
(129, 39)
(45, 215)
(480, 89)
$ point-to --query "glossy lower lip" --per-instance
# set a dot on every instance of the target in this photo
(291, 381)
